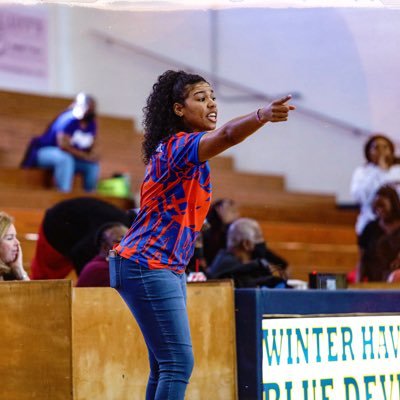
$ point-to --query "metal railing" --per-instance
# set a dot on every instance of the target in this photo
(248, 93)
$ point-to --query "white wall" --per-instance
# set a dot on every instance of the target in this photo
(343, 62)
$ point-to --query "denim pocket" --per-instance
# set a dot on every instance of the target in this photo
(114, 262)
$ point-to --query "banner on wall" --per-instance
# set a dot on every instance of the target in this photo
(331, 358)
(24, 47)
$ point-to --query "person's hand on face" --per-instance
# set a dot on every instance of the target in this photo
(383, 162)
(380, 153)
(18, 267)
(17, 262)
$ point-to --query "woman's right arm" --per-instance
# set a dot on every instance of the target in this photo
(365, 182)
(238, 129)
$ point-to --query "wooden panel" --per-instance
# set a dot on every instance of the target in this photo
(223, 181)
(241, 193)
(375, 286)
(301, 272)
(42, 199)
(110, 358)
(295, 213)
(32, 178)
(308, 233)
(212, 323)
(220, 163)
(304, 258)
(308, 247)
(109, 355)
(35, 333)
(25, 178)
(30, 105)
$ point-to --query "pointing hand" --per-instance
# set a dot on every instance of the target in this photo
(277, 111)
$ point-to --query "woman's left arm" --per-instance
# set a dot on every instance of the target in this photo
(238, 129)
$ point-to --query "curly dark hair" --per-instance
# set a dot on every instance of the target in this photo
(160, 121)
(390, 193)
(99, 235)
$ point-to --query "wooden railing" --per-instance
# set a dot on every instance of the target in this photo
(61, 343)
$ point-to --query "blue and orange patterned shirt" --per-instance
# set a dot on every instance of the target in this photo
(175, 198)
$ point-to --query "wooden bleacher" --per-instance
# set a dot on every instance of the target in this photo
(313, 247)
(64, 343)
(306, 228)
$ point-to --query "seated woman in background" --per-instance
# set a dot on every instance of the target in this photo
(68, 146)
(379, 169)
(221, 214)
(11, 266)
(380, 240)
(96, 272)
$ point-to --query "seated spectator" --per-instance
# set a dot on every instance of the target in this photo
(68, 146)
(221, 214)
(380, 240)
(96, 272)
(243, 261)
(66, 236)
(11, 265)
(197, 266)
(379, 169)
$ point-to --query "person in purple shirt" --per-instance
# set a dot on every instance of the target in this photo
(96, 272)
(68, 146)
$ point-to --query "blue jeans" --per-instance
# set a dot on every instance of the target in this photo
(65, 166)
(157, 299)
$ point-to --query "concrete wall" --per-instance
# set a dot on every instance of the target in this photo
(342, 62)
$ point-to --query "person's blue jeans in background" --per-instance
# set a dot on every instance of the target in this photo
(157, 299)
(65, 166)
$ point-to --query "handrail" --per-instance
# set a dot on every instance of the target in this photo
(251, 94)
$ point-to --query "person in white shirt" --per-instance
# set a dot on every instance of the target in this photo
(379, 169)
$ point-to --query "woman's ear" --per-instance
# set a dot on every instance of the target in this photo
(247, 245)
(178, 109)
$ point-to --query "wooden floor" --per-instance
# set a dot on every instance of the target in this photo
(306, 228)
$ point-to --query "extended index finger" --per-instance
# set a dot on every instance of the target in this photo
(283, 100)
